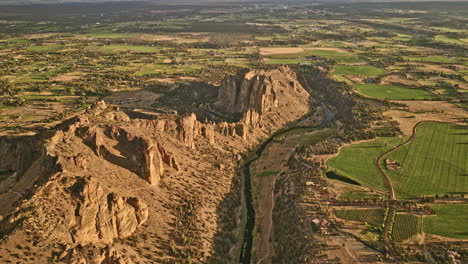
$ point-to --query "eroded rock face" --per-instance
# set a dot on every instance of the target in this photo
(265, 101)
(23, 163)
(135, 153)
(186, 128)
(102, 216)
(256, 90)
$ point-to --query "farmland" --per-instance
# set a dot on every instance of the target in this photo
(394, 92)
(450, 221)
(435, 157)
(364, 70)
(406, 226)
(372, 217)
(357, 161)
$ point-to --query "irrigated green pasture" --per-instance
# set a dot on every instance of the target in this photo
(434, 162)
(434, 59)
(360, 70)
(340, 57)
(394, 92)
(357, 161)
(450, 221)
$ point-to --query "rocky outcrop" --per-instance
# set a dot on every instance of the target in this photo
(112, 256)
(135, 153)
(256, 90)
(102, 216)
(24, 162)
(168, 158)
(186, 128)
(85, 176)
(264, 100)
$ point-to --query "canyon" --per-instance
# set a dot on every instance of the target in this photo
(112, 185)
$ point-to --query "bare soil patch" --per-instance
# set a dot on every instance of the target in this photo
(355, 79)
(134, 99)
(426, 67)
(397, 79)
(333, 49)
(425, 111)
(41, 36)
(273, 51)
(175, 38)
(68, 77)
(174, 80)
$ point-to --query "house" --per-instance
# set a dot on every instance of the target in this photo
(322, 225)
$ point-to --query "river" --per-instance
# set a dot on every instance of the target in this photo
(246, 251)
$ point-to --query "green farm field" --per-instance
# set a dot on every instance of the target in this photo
(361, 70)
(434, 162)
(371, 216)
(434, 59)
(450, 221)
(357, 161)
(394, 92)
(46, 47)
(406, 226)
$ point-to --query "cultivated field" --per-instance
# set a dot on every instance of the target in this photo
(406, 226)
(364, 70)
(393, 92)
(450, 221)
(371, 216)
(434, 162)
(357, 161)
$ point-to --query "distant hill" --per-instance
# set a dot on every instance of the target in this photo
(22, 2)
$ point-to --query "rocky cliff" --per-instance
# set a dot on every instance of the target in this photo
(265, 101)
(260, 91)
(106, 188)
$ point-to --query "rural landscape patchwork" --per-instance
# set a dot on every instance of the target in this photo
(233, 132)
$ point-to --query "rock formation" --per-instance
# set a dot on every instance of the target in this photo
(265, 101)
(185, 128)
(102, 178)
(258, 90)
(118, 146)
(101, 216)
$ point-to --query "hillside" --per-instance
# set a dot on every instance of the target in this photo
(103, 187)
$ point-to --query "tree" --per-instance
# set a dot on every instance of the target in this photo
(7, 88)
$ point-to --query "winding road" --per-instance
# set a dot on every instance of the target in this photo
(391, 190)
